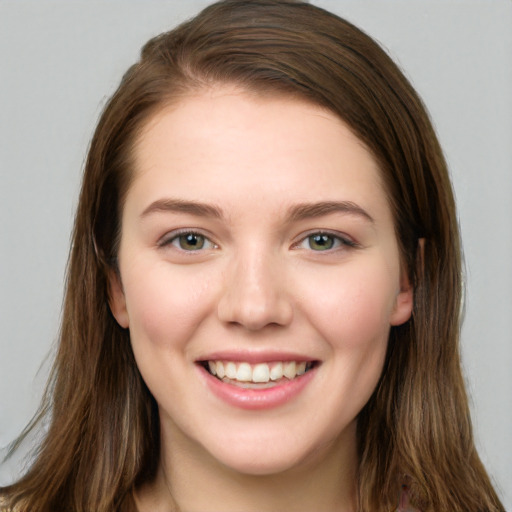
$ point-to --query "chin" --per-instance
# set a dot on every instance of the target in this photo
(261, 465)
(268, 457)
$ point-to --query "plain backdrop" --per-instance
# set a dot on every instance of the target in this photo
(60, 60)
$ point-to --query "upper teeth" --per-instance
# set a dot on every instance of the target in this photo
(262, 372)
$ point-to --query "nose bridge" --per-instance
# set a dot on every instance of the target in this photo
(255, 292)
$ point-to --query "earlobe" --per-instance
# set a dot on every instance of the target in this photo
(117, 300)
(404, 300)
(403, 304)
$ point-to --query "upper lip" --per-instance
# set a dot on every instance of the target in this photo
(254, 357)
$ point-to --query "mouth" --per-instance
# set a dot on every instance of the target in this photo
(257, 376)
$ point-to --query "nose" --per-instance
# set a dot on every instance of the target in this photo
(255, 293)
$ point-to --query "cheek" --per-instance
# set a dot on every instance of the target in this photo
(164, 306)
(353, 308)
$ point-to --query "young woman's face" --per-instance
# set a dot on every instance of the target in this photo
(257, 243)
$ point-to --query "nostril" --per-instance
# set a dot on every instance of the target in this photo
(254, 293)
(255, 313)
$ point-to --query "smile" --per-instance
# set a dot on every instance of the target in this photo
(257, 386)
(244, 374)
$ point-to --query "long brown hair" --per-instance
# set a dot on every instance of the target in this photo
(103, 437)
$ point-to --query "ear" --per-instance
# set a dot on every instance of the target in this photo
(404, 302)
(116, 299)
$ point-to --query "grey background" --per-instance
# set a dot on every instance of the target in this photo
(60, 60)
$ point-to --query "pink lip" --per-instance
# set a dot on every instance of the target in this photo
(256, 399)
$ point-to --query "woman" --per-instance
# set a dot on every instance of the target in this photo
(263, 298)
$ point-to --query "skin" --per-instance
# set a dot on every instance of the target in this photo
(257, 285)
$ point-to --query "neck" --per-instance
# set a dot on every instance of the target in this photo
(189, 479)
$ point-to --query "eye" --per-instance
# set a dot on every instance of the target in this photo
(319, 242)
(188, 241)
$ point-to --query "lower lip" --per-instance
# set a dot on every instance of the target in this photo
(257, 399)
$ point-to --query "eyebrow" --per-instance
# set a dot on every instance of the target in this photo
(182, 206)
(312, 210)
(295, 213)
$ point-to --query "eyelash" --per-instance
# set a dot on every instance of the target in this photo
(170, 238)
(338, 241)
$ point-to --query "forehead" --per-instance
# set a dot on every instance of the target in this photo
(227, 145)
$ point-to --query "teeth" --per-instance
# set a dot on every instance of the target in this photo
(289, 369)
(276, 372)
(230, 370)
(244, 372)
(219, 367)
(259, 373)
